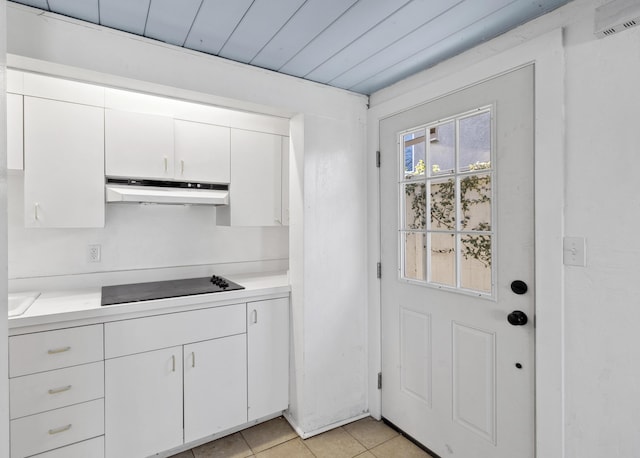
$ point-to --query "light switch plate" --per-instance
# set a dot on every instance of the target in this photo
(574, 251)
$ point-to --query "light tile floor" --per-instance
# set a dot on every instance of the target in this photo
(366, 438)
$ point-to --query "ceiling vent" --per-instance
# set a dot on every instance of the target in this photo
(616, 16)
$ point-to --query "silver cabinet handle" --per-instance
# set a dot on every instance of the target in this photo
(173, 363)
(58, 350)
(193, 359)
(59, 390)
(35, 211)
(181, 166)
(60, 429)
(254, 316)
(166, 164)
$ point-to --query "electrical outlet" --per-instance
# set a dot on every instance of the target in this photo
(94, 253)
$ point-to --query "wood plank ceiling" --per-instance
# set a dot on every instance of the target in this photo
(359, 45)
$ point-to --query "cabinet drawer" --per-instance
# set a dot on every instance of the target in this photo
(48, 350)
(44, 391)
(93, 448)
(162, 331)
(49, 430)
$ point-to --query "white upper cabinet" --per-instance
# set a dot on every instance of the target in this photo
(256, 180)
(15, 142)
(138, 145)
(62, 89)
(201, 152)
(64, 164)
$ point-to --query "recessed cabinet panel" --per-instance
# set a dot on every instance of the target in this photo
(143, 403)
(215, 388)
(138, 145)
(256, 180)
(201, 152)
(15, 139)
(64, 164)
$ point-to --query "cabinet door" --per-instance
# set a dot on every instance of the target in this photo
(268, 357)
(215, 386)
(15, 144)
(201, 152)
(64, 164)
(256, 180)
(138, 145)
(143, 403)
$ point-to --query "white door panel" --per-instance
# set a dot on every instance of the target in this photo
(456, 230)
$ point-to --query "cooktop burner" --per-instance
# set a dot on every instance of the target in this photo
(136, 292)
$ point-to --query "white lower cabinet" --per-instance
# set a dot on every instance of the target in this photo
(215, 386)
(56, 428)
(143, 396)
(268, 357)
(93, 448)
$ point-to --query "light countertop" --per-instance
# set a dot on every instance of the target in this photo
(82, 306)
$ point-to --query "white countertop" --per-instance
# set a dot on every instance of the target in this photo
(82, 306)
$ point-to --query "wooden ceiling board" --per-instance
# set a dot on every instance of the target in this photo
(310, 20)
(448, 24)
(457, 43)
(410, 17)
(127, 15)
(40, 4)
(215, 22)
(170, 21)
(357, 21)
(257, 27)
(86, 10)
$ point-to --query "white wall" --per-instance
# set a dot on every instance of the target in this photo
(4, 384)
(587, 137)
(328, 196)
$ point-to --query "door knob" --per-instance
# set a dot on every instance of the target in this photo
(517, 318)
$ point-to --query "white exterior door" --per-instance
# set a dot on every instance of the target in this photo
(456, 184)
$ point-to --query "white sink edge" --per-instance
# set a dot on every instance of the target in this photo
(18, 303)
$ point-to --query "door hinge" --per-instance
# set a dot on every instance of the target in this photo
(378, 159)
(379, 380)
(379, 270)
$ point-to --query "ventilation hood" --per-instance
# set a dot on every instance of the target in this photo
(166, 192)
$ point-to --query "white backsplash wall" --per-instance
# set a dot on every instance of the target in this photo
(136, 237)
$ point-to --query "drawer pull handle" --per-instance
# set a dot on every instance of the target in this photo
(59, 350)
(182, 167)
(59, 390)
(254, 316)
(60, 429)
(173, 363)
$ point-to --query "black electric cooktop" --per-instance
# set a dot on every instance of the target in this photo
(136, 292)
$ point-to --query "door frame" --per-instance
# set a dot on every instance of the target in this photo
(482, 63)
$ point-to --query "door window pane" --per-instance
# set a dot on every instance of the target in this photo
(414, 150)
(475, 142)
(442, 262)
(475, 268)
(475, 202)
(414, 255)
(442, 150)
(442, 205)
(415, 205)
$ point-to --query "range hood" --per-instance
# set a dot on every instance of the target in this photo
(166, 192)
